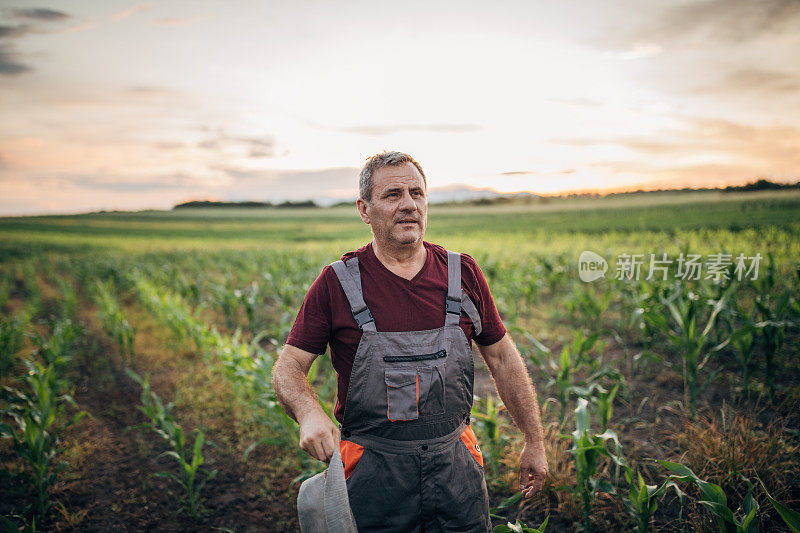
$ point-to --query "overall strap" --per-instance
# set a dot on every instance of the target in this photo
(472, 313)
(457, 298)
(453, 301)
(350, 279)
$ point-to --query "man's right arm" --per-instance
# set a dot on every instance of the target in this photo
(318, 434)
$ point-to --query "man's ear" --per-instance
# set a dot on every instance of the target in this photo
(362, 205)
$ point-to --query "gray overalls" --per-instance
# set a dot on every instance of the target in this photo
(408, 404)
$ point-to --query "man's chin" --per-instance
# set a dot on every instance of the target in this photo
(406, 238)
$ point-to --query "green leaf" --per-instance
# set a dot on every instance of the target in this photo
(791, 518)
(720, 511)
(677, 468)
(582, 418)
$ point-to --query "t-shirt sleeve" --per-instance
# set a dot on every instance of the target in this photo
(312, 327)
(492, 326)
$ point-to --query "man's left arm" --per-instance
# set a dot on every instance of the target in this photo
(516, 390)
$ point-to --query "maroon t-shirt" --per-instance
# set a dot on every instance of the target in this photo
(396, 303)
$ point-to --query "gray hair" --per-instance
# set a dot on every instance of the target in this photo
(378, 161)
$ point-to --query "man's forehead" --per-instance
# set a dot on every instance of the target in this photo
(404, 174)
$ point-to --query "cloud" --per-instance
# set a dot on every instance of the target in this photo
(146, 89)
(103, 181)
(132, 10)
(255, 183)
(174, 21)
(168, 145)
(258, 147)
(436, 128)
(764, 147)
(536, 172)
(13, 32)
(727, 20)
(41, 14)
(9, 64)
(255, 147)
(648, 30)
(86, 25)
(731, 20)
(755, 79)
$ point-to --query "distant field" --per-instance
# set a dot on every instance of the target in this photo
(662, 212)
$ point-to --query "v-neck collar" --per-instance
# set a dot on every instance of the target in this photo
(422, 271)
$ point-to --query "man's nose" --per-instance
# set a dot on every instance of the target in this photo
(407, 202)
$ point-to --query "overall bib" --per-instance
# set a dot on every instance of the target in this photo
(411, 459)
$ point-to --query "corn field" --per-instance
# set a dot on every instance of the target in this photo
(669, 404)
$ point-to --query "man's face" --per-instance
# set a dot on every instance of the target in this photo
(398, 211)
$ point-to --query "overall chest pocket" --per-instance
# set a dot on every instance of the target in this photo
(402, 394)
(412, 392)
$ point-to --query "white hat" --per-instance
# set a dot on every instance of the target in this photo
(322, 502)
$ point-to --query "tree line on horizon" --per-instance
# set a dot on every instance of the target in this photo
(758, 185)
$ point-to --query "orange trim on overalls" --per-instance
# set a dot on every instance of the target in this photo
(468, 437)
(351, 454)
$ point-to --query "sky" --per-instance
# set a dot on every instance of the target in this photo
(114, 104)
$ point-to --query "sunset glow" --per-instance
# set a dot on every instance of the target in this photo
(124, 105)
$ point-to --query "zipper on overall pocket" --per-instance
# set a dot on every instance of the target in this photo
(410, 358)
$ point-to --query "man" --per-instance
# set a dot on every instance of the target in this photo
(399, 314)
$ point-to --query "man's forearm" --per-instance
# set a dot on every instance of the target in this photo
(292, 389)
(516, 390)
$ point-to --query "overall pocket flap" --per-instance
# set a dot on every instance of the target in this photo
(400, 378)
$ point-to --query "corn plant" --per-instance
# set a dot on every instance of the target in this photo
(743, 342)
(58, 348)
(9, 526)
(790, 518)
(585, 307)
(228, 302)
(587, 449)
(604, 405)
(683, 331)
(641, 499)
(67, 298)
(775, 309)
(6, 281)
(32, 294)
(773, 331)
(715, 500)
(37, 413)
(520, 527)
(488, 421)
(11, 336)
(573, 359)
(245, 365)
(115, 324)
(161, 423)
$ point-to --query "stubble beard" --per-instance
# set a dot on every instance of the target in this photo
(404, 240)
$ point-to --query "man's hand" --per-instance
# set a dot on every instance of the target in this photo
(516, 390)
(533, 469)
(319, 436)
